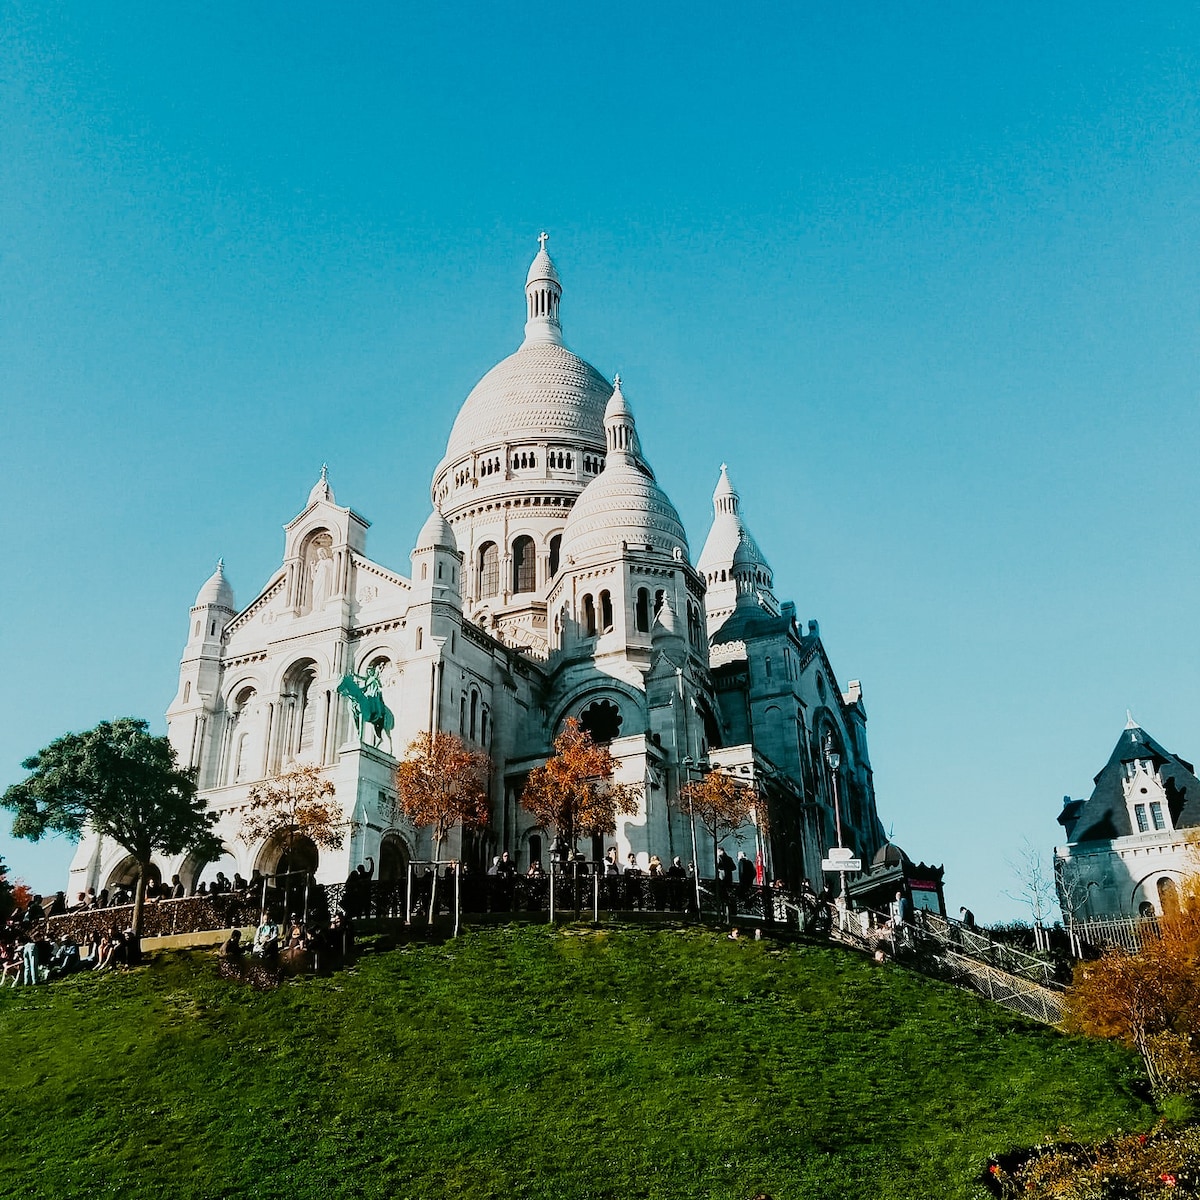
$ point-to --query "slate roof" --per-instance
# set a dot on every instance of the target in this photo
(1104, 814)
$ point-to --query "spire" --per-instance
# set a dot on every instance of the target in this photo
(1130, 723)
(725, 497)
(321, 489)
(664, 620)
(543, 291)
(619, 428)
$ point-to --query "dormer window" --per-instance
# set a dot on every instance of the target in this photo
(1146, 798)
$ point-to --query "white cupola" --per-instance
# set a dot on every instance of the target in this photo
(543, 293)
(436, 561)
(213, 610)
(731, 563)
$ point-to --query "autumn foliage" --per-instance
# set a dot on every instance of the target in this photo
(442, 783)
(722, 804)
(1150, 1000)
(574, 792)
(298, 802)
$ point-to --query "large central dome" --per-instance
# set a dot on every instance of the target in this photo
(542, 391)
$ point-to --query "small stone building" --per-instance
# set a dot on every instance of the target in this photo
(1131, 842)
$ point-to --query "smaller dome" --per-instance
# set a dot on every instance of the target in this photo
(623, 503)
(746, 556)
(436, 534)
(542, 268)
(617, 405)
(729, 542)
(890, 855)
(216, 591)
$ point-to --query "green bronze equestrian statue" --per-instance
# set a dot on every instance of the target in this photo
(365, 693)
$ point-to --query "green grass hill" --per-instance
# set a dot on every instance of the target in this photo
(525, 1062)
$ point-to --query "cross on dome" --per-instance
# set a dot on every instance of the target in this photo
(543, 238)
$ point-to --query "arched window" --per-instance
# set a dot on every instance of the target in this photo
(523, 565)
(483, 726)
(606, 612)
(602, 719)
(420, 638)
(489, 570)
(474, 713)
(555, 552)
(659, 597)
(462, 715)
(643, 611)
(589, 617)
(187, 691)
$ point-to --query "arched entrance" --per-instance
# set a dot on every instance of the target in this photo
(196, 869)
(288, 853)
(394, 857)
(125, 874)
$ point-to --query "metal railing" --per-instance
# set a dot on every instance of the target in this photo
(1125, 933)
(1012, 991)
(569, 890)
(953, 937)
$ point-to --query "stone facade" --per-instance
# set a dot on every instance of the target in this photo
(552, 579)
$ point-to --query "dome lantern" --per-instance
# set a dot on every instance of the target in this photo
(543, 293)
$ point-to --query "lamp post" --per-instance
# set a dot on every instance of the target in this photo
(688, 764)
(834, 759)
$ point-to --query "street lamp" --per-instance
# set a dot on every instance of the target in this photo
(687, 764)
(834, 759)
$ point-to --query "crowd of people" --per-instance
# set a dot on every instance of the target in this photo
(29, 955)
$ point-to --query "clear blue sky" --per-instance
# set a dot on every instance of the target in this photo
(925, 276)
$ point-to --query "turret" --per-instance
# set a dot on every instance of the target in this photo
(436, 562)
(730, 549)
(200, 669)
(543, 292)
(213, 610)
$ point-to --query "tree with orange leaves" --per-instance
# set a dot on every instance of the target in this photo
(574, 793)
(297, 803)
(441, 783)
(723, 804)
(1149, 1000)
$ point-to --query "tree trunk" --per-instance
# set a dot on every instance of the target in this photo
(437, 853)
(139, 897)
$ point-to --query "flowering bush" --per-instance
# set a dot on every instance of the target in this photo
(1165, 1162)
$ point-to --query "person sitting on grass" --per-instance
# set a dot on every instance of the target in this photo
(11, 959)
(295, 953)
(231, 948)
(65, 958)
(266, 940)
(106, 951)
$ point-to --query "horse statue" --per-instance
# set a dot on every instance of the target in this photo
(365, 693)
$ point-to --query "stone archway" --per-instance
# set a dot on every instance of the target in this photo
(394, 858)
(288, 853)
(125, 874)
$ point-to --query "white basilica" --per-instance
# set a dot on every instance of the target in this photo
(553, 579)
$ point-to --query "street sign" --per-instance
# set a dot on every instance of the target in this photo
(840, 852)
(841, 864)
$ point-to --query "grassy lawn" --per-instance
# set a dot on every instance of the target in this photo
(521, 1062)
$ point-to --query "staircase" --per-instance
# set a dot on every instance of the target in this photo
(949, 951)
